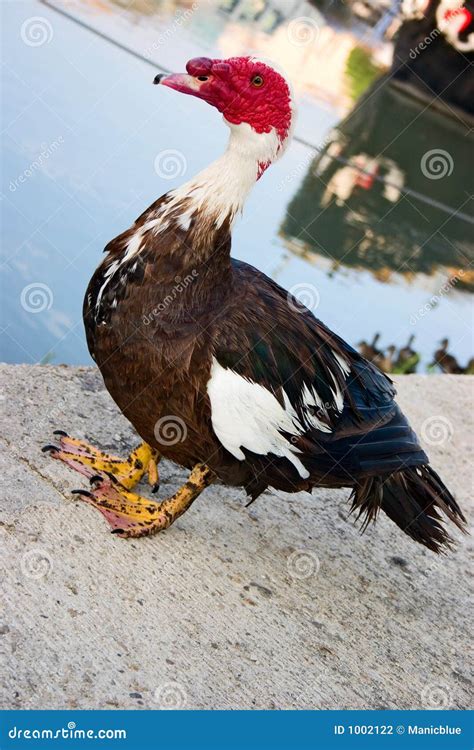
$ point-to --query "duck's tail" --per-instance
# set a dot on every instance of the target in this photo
(414, 498)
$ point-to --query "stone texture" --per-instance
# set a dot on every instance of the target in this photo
(216, 612)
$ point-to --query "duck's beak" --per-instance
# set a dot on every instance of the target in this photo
(182, 82)
(204, 78)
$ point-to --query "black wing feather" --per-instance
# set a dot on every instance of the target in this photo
(270, 339)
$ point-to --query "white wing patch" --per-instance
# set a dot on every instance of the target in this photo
(247, 415)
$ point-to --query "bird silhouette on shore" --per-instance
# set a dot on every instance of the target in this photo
(371, 351)
(446, 362)
(408, 359)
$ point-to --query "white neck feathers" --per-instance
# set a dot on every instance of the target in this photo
(221, 188)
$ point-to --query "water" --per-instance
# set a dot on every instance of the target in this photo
(83, 132)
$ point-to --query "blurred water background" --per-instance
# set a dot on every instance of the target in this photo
(368, 214)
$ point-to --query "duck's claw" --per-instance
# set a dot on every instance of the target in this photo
(153, 475)
(82, 492)
(96, 478)
(49, 448)
(132, 515)
(128, 514)
(90, 461)
(111, 479)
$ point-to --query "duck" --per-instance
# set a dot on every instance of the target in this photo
(408, 359)
(221, 370)
(446, 362)
(370, 350)
(469, 369)
(386, 363)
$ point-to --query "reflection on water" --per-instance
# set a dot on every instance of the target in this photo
(84, 126)
(390, 192)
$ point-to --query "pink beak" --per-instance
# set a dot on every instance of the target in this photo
(180, 82)
(212, 86)
(188, 83)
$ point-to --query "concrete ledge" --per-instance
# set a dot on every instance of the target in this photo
(282, 605)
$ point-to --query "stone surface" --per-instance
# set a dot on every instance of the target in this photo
(281, 605)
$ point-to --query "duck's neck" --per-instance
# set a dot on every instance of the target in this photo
(191, 225)
(217, 195)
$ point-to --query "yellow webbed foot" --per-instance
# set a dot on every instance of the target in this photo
(90, 461)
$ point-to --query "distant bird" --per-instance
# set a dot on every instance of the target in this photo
(386, 360)
(469, 369)
(224, 372)
(408, 359)
(371, 351)
(445, 361)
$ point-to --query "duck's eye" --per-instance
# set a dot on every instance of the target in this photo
(202, 78)
(257, 81)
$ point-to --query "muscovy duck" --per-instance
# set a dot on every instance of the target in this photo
(259, 392)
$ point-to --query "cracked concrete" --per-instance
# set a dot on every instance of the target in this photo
(282, 605)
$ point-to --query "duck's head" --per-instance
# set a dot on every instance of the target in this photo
(247, 91)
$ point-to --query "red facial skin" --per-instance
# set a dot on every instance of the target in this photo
(229, 88)
(464, 13)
